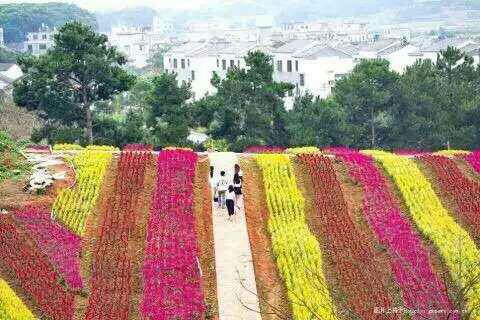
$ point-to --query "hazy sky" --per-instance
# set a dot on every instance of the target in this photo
(100, 5)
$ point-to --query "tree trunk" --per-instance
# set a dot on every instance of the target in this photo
(88, 117)
(88, 124)
(373, 128)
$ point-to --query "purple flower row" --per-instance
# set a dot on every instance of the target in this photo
(60, 245)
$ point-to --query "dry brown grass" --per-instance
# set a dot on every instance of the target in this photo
(205, 241)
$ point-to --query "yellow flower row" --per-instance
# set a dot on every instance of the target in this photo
(11, 307)
(451, 152)
(302, 150)
(296, 249)
(66, 146)
(72, 206)
(457, 249)
(102, 148)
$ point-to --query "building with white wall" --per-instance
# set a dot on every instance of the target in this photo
(40, 41)
(133, 42)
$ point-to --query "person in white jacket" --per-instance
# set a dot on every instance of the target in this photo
(221, 189)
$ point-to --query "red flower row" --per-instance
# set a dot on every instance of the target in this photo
(463, 191)
(38, 278)
(359, 276)
(172, 288)
(112, 262)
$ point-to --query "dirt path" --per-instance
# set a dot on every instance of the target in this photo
(236, 288)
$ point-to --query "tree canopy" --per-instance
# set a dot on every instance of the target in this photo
(79, 70)
(19, 19)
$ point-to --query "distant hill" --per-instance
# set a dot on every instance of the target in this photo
(140, 16)
(19, 19)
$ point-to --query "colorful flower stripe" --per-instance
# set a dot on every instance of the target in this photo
(112, 261)
(33, 271)
(454, 244)
(11, 307)
(60, 245)
(474, 160)
(422, 289)
(360, 282)
(138, 147)
(172, 283)
(296, 249)
(462, 190)
(72, 206)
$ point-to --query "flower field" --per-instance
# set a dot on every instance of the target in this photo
(171, 273)
(421, 287)
(464, 192)
(296, 249)
(349, 249)
(335, 234)
(72, 206)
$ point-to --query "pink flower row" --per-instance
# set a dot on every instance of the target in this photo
(60, 245)
(172, 282)
(421, 287)
(474, 160)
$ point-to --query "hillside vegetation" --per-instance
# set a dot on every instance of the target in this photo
(19, 19)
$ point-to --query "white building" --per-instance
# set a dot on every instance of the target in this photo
(40, 41)
(133, 42)
(311, 66)
(2, 42)
(323, 30)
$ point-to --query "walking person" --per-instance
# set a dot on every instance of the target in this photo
(237, 184)
(230, 202)
(221, 189)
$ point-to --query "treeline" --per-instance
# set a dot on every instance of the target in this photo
(430, 106)
(19, 19)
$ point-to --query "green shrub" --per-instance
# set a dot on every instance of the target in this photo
(12, 162)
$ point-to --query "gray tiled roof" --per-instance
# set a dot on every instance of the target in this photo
(442, 44)
(321, 50)
(293, 46)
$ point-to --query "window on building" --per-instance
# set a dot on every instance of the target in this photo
(188, 62)
(224, 64)
(279, 66)
(232, 63)
(44, 36)
(42, 47)
(30, 48)
(169, 60)
(238, 63)
(296, 65)
(218, 63)
(289, 65)
(35, 36)
(302, 79)
(182, 62)
(141, 47)
(175, 64)
(193, 75)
